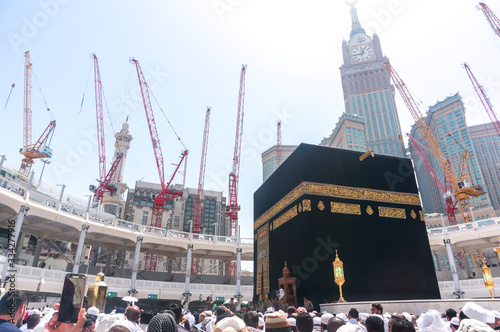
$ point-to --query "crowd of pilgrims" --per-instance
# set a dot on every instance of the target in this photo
(469, 318)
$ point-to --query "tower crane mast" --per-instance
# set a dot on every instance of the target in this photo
(481, 93)
(41, 148)
(201, 181)
(101, 142)
(446, 190)
(491, 17)
(279, 152)
(166, 194)
(234, 176)
(461, 189)
(27, 99)
(199, 196)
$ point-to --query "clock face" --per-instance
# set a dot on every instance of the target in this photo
(362, 53)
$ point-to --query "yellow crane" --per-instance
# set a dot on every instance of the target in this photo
(461, 186)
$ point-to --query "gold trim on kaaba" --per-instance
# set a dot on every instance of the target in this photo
(321, 206)
(389, 212)
(300, 207)
(346, 208)
(413, 214)
(263, 260)
(331, 190)
(306, 203)
(285, 217)
(421, 215)
(369, 210)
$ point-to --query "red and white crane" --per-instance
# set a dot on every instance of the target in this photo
(166, 194)
(446, 190)
(199, 196)
(104, 178)
(234, 176)
(491, 17)
(484, 99)
(278, 146)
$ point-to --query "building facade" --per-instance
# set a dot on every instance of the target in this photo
(349, 134)
(446, 120)
(368, 93)
(486, 143)
(270, 159)
(178, 215)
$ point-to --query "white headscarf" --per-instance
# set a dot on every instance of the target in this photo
(431, 322)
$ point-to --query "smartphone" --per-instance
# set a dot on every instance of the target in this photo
(72, 297)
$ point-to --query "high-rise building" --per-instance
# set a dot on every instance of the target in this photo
(178, 216)
(113, 202)
(446, 120)
(349, 134)
(486, 143)
(270, 159)
(368, 93)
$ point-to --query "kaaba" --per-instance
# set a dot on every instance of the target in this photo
(322, 200)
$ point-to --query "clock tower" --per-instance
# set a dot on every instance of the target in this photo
(368, 93)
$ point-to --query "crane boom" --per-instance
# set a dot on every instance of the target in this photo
(491, 17)
(443, 162)
(235, 174)
(446, 190)
(151, 122)
(101, 142)
(481, 93)
(278, 146)
(166, 194)
(38, 150)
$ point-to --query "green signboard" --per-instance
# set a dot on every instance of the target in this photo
(153, 296)
(219, 298)
(112, 294)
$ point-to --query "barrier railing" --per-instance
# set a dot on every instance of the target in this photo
(49, 196)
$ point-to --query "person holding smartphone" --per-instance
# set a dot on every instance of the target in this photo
(10, 320)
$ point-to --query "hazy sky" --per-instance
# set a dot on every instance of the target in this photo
(192, 52)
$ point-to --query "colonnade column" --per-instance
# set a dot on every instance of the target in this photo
(186, 293)
(453, 268)
(79, 249)
(38, 250)
(238, 295)
(135, 267)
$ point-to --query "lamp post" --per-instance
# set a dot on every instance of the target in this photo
(62, 193)
(338, 273)
(487, 278)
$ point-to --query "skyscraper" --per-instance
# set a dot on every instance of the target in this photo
(368, 92)
(447, 122)
(486, 143)
(270, 159)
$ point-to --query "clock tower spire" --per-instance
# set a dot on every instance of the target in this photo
(370, 120)
(356, 26)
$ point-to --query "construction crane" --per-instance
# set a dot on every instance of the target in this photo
(233, 208)
(445, 190)
(462, 189)
(41, 149)
(484, 99)
(234, 176)
(166, 194)
(104, 178)
(278, 145)
(491, 17)
(199, 196)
